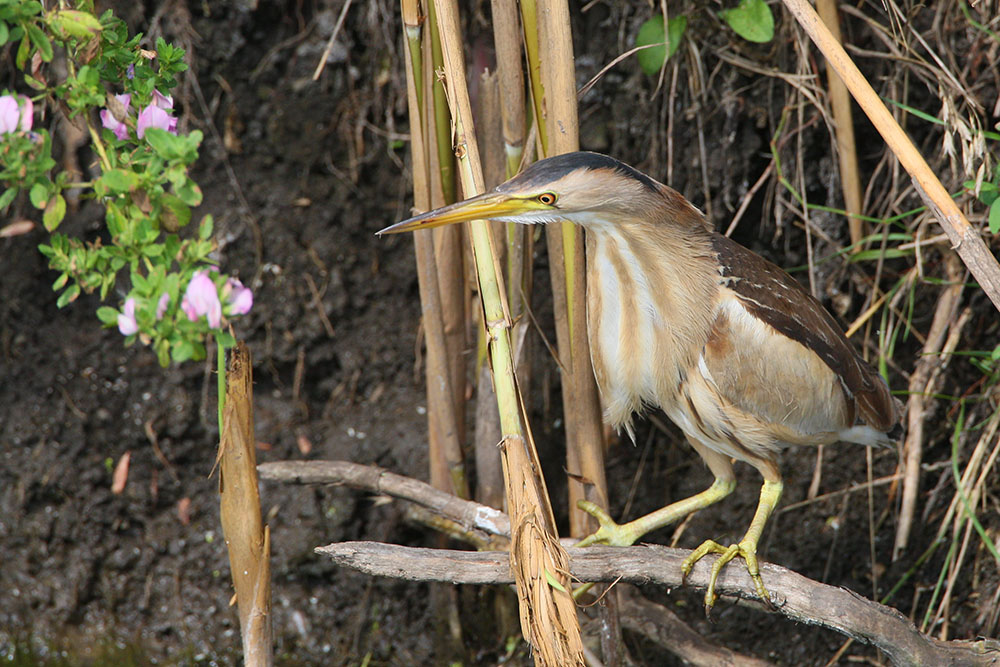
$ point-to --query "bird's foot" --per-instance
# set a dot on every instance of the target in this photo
(610, 533)
(747, 550)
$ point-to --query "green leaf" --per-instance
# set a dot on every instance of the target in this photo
(39, 195)
(69, 296)
(118, 181)
(81, 25)
(752, 20)
(4, 33)
(7, 197)
(205, 228)
(107, 315)
(650, 33)
(166, 145)
(162, 348)
(225, 339)
(994, 219)
(175, 214)
(54, 212)
(60, 282)
(40, 41)
(189, 193)
(33, 82)
(23, 51)
(182, 350)
(553, 582)
(871, 255)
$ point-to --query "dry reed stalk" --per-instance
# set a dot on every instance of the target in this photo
(248, 540)
(971, 488)
(843, 119)
(964, 237)
(581, 404)
(529, 21)
(489, 470)
(448, 256)
(548, 613)
(920, 391)
(444, 447)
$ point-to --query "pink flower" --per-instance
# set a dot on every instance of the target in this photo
(109, 121)
(126, 319)
(27, 114)
(240, 298)
(161, 305)
(201, 298)
(163, 101)
(154, 116)
(11, 115)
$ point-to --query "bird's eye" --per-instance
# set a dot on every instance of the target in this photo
(547, 198)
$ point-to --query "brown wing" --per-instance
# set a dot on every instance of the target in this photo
(774, 297)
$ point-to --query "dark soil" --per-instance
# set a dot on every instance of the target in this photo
(90, 577)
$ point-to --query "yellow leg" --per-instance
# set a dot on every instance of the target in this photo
(746, 549)
(623, 535)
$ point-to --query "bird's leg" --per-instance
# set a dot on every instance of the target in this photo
(746, 548)
(623, 535)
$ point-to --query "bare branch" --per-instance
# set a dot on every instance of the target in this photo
(473, 516)
(794, 596)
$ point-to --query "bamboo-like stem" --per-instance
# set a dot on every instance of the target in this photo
(529, 20)
(448, 254)
(964, 237)
(548, 614)
(582, 409)
(581, 403)
(444, 448)
(840, 103)
(509, 79)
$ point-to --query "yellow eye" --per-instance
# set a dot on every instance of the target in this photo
(547, 198)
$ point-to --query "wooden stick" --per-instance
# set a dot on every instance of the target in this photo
(843, 118)
(473, 516)
(794, 596)
(964, 237)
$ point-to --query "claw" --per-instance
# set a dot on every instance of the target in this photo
(610, 532)
(745, 550)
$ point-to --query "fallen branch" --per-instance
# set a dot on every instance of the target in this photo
(475, 518)
(793, 595)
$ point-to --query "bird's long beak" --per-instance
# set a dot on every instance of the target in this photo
(483, 207)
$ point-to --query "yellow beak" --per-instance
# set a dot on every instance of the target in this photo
(483, 207)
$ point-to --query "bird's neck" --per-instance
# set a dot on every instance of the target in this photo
(651, 297)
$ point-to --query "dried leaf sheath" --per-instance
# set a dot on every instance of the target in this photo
(247, 539)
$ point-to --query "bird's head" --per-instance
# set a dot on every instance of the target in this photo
(588, 189)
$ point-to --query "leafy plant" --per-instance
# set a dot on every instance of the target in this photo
(989, 195)
(751, 19)
(176, 296)
(660, 45)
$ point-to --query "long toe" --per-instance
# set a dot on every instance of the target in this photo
(610, 532)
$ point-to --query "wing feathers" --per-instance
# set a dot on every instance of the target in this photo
(771, 295)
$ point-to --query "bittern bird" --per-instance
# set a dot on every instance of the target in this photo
(729, 346)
